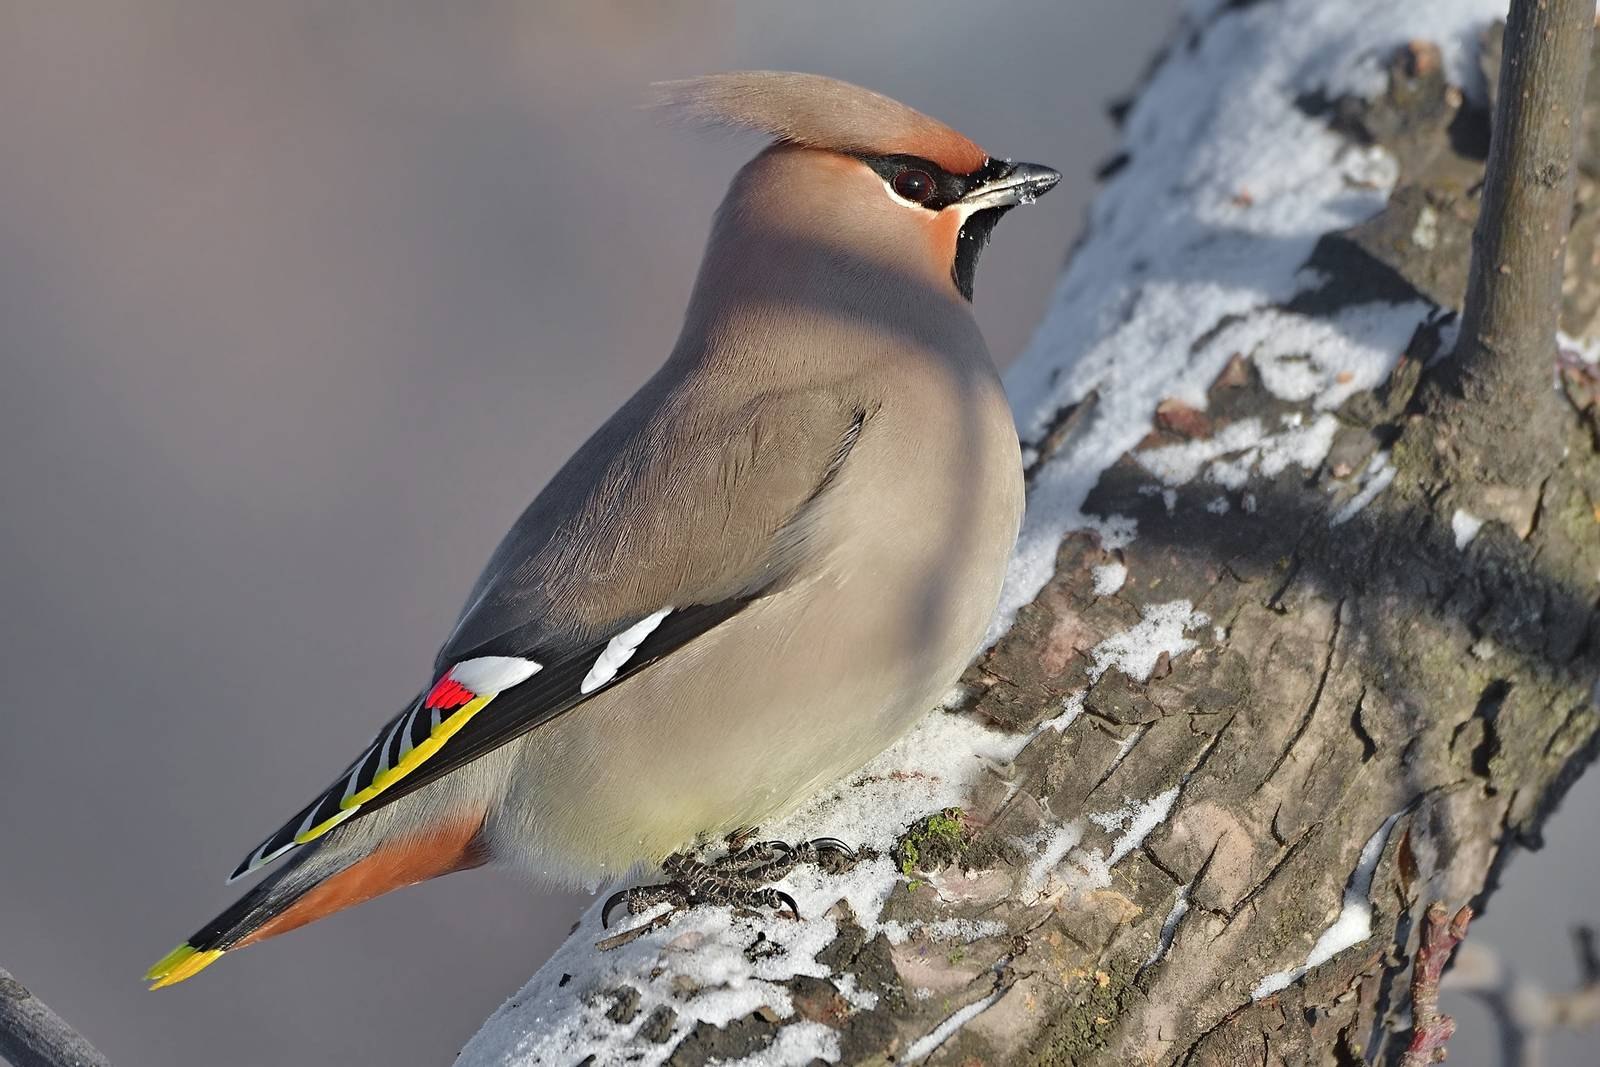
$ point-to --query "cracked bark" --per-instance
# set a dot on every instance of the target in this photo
(1352, 676)
(1358, 671)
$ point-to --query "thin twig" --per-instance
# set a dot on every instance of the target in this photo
(1524, 1012)
(1499, 387)
(31, 1035)
(1430, 1028)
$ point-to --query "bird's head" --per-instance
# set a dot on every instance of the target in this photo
(854, 171)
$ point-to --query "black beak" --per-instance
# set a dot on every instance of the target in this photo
(1019, 183)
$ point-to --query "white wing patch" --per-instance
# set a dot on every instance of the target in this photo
(619, 650)
(493, 674)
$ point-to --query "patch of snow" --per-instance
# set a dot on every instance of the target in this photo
(965, 931)
(1465, 525)
(928, 1044)
(1327, 359)
(1060, 866)
(1085, 872)
(1116, 531)
(1357, 45)
(1178, 464)
(796, 1045)
(1230, 185)
(931, 768)
(696, 965)
(1233, 453)
(1302, 446)
(1135, 651)
(1218, 505)
(1110, 820)
(1134, 737)
(1425, 234)
(702, 950)
(1169, 926)
(1143, 818)
(1071, 708)
(1584, 349)
(858, 998)
(1053, 844)
(1109, 577)
(1354, 923)
(1375, 478)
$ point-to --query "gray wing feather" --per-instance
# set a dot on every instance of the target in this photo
(667, 504)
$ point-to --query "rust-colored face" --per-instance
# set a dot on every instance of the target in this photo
(957, 212)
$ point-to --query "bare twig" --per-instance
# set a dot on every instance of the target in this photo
(1588, 956)
(1523, 1011)
(1430, 1029)
(1497, 391)
(31, 1035)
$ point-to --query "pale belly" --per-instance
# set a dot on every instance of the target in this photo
(800, 689)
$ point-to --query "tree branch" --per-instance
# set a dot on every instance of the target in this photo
(31, 1035)
(1498, 394)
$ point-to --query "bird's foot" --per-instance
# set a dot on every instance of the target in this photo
(740, 879)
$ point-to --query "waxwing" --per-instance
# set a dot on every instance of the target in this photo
(754, 577)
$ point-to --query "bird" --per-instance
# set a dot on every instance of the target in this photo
(755, 576)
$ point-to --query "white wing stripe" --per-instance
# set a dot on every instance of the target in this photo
(350, 789)
(405, 730)
(619, 650)
(383, 758)
(309, 821)
(494, 674)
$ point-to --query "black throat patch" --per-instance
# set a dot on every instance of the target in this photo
(969, 243)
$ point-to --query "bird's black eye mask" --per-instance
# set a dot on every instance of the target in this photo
(929, 185)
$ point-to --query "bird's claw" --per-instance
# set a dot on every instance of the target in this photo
(642, 898)
(741, 879)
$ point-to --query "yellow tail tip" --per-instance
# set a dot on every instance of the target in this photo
(169, 961)
(183, 962)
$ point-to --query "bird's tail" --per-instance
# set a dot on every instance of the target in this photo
(248, 915)
(318, 882)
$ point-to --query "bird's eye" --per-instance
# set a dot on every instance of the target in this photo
(913, 185)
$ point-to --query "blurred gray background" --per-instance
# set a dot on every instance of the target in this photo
(301, 303)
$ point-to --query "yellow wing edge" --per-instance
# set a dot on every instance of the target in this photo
(408, 763)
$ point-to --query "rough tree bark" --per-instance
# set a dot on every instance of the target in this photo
(1371, 672)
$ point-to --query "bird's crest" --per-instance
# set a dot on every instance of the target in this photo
(818, 112)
